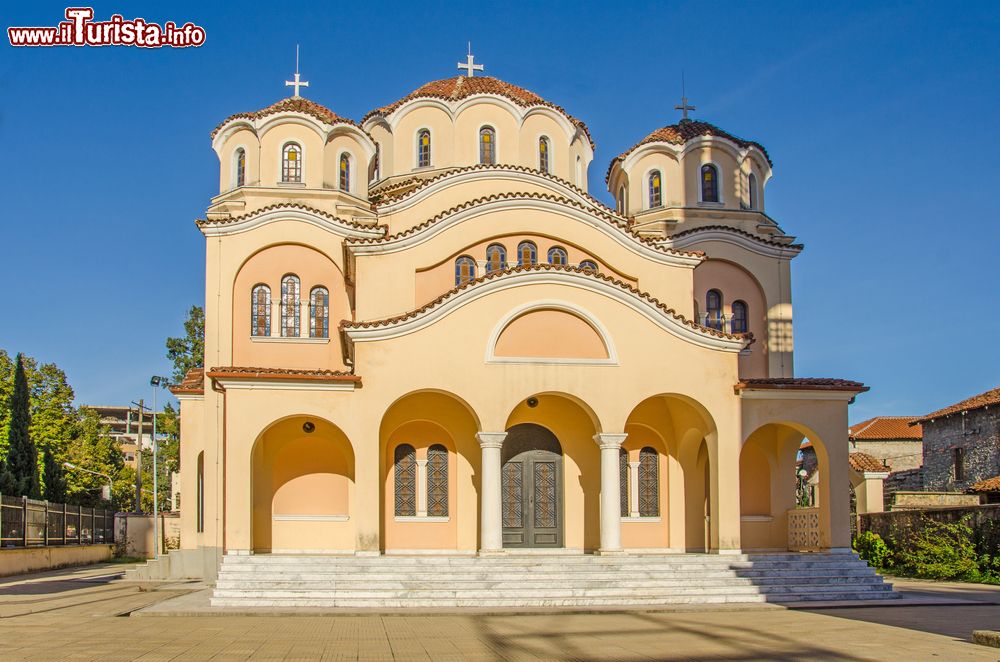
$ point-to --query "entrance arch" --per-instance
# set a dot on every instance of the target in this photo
(302, 487)
(531, 484)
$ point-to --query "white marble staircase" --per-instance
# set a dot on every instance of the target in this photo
(542, 580)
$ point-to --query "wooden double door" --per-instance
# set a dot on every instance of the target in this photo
(532, 488)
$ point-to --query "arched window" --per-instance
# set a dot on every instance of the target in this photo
(589, 265)
(620, 202)
(527, 254)
(290, 306)
(465, 269)
(437, 481)
(319, 313)
(345, 172)
(377, 163)
(291, 163)
(623, 480)
(543, 154)
(200, 496)
(709, 183)
(241, 167)
(752, 190)
(496, 258)
(579, 172)
(649, 482)
(405, 480)
(260, 311)
(487, 145)
(740, 324)
(655, 189)
(423, 148)
(558, 256)
(713, 309)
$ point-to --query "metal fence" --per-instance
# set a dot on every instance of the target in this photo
(26, 522)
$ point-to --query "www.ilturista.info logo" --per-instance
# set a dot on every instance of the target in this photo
(79, 29)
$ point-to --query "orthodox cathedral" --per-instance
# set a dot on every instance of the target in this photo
(426, 338)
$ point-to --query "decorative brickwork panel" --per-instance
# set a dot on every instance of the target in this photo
(803, 529)
(405, 474)
(437, 481)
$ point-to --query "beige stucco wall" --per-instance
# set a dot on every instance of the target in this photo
(34, 559)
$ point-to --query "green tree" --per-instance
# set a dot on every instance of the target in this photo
(188, 351)
(6, 389)
(20, 475)
(93, 448)
(53, 477)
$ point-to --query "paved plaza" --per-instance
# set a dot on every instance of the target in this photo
(84, 614)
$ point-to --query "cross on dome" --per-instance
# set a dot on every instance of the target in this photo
(684, 107)
(469, 67)
(296, 83)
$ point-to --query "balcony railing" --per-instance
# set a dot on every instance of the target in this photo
(723, 323)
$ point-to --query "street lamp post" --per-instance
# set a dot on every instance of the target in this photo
(156, 382)
(70, 465)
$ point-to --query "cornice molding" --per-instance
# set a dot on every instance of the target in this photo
(289, 212)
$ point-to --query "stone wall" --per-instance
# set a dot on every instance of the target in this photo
(20, 560)
(897, 527)
(977, 433)
(899, 455)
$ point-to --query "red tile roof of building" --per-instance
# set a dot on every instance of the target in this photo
(289, 105)
(192, 384)
(801, 384)
(240, 372)
(463, 87)
(863, 462)
(988, 485)
(991, 397)
(886, 428)
(682, 132)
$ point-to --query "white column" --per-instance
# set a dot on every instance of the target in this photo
(633, 492)
(611, 523)
(422, 488)
(490, 520)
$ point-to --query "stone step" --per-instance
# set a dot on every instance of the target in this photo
(313, 564)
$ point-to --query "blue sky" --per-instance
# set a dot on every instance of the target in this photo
(882, 124)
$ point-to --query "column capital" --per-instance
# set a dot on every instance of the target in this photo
(609, 440)
(491, 439)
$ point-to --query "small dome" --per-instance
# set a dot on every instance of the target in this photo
(463, 87)
(289, 105)
(682, 132)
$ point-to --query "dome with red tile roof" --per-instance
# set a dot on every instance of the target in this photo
(289, 105)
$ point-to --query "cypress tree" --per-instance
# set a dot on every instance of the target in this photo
(55, 481)
(22, 457)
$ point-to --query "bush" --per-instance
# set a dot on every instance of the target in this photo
(939, 550)
(873, 549)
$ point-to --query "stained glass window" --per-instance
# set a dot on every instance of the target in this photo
(437, 481)
(405, 480)
(291, 163)
(623, 480)
(290, 306)
(713, 307)
(487, 145)
(260, 311)
(752, 190)
(423, 148)
(649, 482)
(543, 154)
(496, 258)
(655, 189)
(709, 183)
(588, 265)
(465, 270)
(319, 313)
(241, 166)
(527, 254)
(740, 317)
(345, 172)
(558, 256)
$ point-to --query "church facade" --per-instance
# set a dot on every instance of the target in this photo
(424, 336)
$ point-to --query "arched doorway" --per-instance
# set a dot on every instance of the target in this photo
(531, 481)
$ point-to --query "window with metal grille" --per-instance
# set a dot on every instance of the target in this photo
(465, 270)
(655, 189)
(543, 154)
(423, 148)
(623, 480)
(649, 482)
(260, 311)
(405, 480)
(319, 313)
(291, 163)
(709, 183)
(437, 481)
(527, 253)
(496, 258)
(290, 306)
(487, 145)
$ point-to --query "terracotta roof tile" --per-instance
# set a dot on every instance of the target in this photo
(289, 205)
(618, 221)
(192, 384)
(801, 383)
(682, 132)
(991, 397)
(289, 105)
(727, 228)
(886, 428)
(242, 372)
(462, 87)
(988, 485)
(351, 324)
(864, 462)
